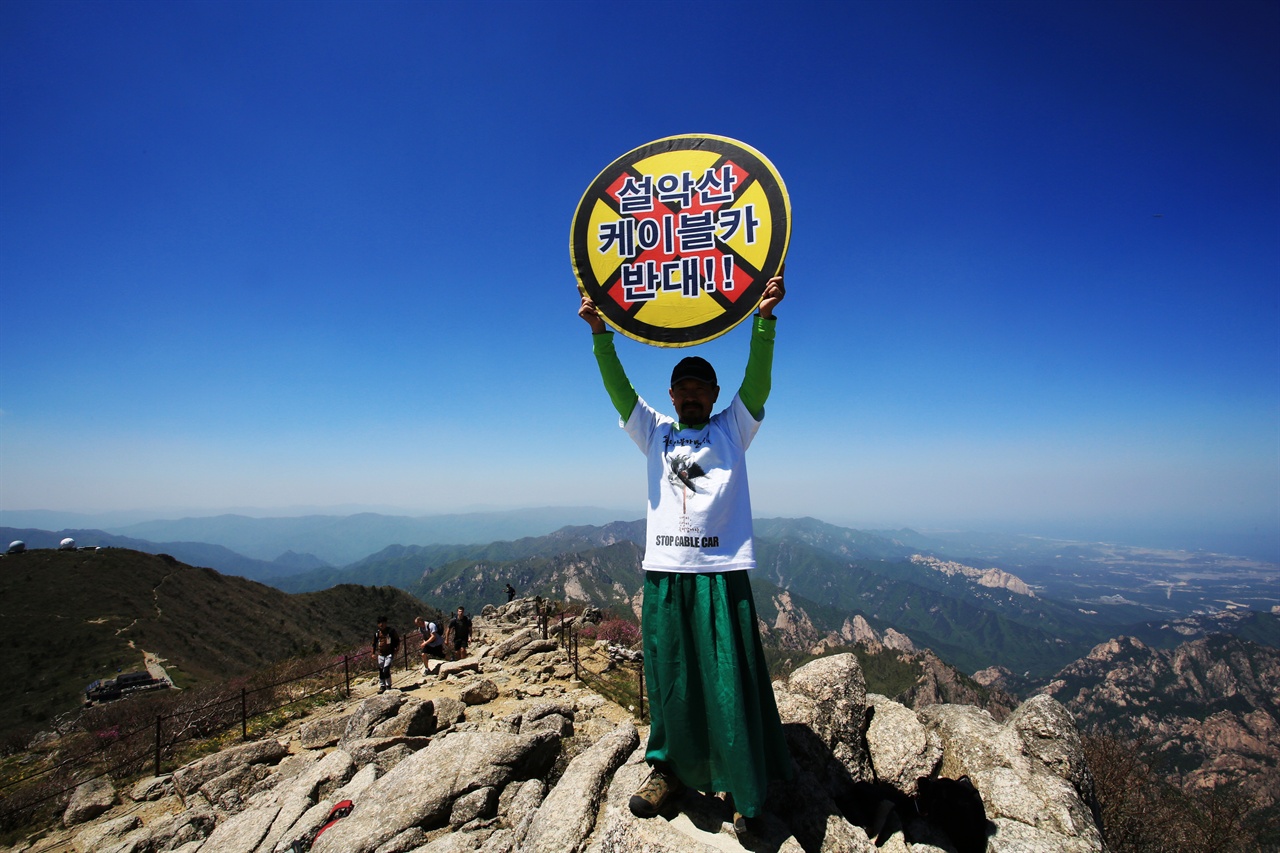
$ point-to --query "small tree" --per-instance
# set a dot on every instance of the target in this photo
(1142, 813)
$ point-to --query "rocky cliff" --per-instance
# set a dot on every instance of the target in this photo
(1211, 707)
(505, 752)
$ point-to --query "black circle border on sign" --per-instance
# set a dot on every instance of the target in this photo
(758, 167)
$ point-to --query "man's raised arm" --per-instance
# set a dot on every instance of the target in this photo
(621, 392)
(758, 381)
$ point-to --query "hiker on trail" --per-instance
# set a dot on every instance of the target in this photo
(714, 722)
(432, 643)
(459, 633)
(385, 643)
(511, 593)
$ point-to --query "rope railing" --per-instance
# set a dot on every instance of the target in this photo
(194, 722)
(569, 629)
(203, 720)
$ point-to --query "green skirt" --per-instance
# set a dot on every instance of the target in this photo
(713, 719)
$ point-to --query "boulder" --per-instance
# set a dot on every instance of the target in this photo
(1049, 734)
(188, 779)
(901, 749)
(479, 692)
(290, 767)
(515, 642)
(295, 797)
(414, 718)
(240, 778)
(185, 829)
(457, 667)
(367, 750)
(532, 648)
(105, 833)
(1016, 785)
(482, 802)
(448, 712)
(369, 713)
(89, 800)
(326, 731)
(420, 790)
(564, 708)
(554, 723)
(151, 788)
(518, 804)
(242, 833)
(568, 813)
(815, 821)
(824, 715)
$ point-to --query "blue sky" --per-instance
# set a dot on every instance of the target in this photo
(279, 255)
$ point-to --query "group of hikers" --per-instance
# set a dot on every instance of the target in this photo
(448, 644)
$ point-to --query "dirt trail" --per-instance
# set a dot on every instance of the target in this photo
(156, 669)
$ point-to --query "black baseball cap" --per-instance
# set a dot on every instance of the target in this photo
(694, 367)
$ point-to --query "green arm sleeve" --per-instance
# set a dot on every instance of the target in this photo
(759, 377)
(624, 396)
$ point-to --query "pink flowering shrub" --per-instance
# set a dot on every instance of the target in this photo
(619, 632)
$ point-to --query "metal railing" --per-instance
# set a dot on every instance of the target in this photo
(160, 739)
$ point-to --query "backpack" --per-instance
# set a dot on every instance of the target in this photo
(337, 813)
(429, 629)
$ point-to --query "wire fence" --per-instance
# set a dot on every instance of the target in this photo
(115, 742)
(124, 741)
(618, 688)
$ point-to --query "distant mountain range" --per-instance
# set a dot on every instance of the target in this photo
(1024, 604)
(192, 553)
(1126, 638)
(341, 540)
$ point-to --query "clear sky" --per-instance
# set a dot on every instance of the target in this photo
(312, 254)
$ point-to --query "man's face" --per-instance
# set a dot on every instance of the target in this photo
(460, 611)
(693, 400)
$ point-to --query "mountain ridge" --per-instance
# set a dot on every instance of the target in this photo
(72, 617)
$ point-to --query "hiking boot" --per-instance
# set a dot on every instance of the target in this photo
(740, 827)
(382, 688)
(648, 799)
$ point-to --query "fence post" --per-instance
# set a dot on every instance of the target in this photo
(642, 692)
(575, 652)
(157, 773)
(346, 669)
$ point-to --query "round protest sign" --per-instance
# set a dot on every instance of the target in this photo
(675, 240)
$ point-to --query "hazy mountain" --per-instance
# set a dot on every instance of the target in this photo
(341, 540)
(192, 553)
(74, 616)
(972, 616)
(405, 565)
(970, 625)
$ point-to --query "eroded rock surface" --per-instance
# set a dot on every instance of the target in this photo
(513, 760)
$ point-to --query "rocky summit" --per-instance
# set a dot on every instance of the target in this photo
(505, 752)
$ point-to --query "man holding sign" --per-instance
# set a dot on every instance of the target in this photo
(714, 723)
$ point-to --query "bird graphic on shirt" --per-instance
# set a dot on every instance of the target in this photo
(683, 472)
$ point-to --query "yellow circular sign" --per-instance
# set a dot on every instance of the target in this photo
(675, 240)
